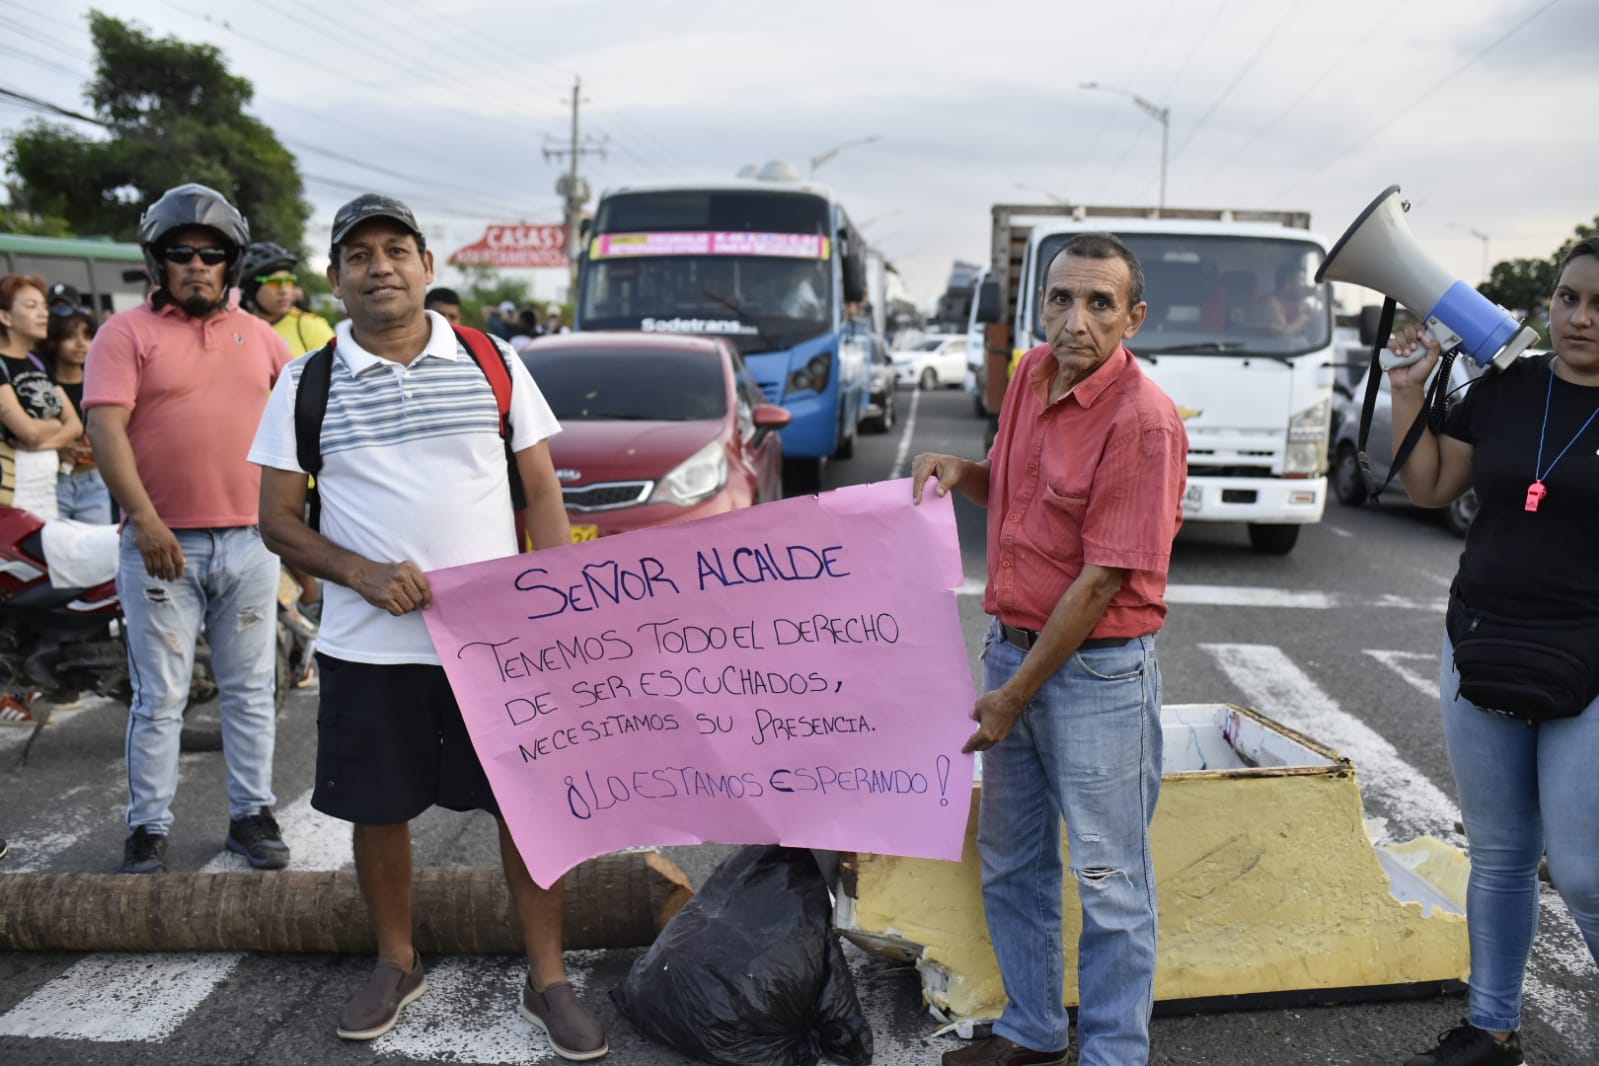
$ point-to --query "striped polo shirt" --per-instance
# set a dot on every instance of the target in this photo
(413, 469)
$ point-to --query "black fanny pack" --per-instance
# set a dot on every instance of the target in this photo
(1528, 670)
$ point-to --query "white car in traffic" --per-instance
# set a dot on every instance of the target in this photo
(932, 362)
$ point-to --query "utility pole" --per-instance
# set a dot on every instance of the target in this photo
(572, 188)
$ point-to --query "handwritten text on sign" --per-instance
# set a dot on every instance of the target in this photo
(794, 673)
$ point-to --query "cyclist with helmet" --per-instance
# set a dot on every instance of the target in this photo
(266, 285)
(173, 390)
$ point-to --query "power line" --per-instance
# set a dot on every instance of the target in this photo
(49, 108)
(1311, 84)
(1243, 71)
(1348, 150)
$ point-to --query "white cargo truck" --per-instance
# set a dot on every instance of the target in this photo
(1236, 335)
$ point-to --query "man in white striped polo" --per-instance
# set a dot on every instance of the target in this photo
(413, 478)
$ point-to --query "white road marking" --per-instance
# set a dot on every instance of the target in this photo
(1423, 679)
(1337, 531)
(15, 736)
(146, 997)
(902, 456)
(32, 851)
(119, 997)
(469, 1014)
(1271, 683)
(1259, 596)
(316, 841)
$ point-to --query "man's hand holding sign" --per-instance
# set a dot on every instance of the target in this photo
(772, 675)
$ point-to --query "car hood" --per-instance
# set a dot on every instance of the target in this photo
(625, 451)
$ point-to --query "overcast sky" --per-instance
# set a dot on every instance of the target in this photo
(1481, 109)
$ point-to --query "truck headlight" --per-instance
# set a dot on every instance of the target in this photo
(1306, 455)
(696, 478)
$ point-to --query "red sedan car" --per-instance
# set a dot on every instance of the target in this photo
(655, 428)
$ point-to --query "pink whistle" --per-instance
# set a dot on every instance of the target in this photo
(1535, 494)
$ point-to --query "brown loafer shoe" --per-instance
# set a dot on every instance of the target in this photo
(997, 1051)
(574, 1032)
(373, 1010)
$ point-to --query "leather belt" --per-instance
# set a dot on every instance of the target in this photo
(1026, 638)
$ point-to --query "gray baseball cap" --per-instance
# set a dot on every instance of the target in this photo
(369, 206)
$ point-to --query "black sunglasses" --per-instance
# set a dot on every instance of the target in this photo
(183, 254)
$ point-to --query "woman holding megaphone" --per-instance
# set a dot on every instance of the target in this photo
(1520, 671)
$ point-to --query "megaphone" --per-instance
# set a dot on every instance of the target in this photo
(1379, 251)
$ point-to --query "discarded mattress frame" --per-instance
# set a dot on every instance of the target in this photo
(1271, 890)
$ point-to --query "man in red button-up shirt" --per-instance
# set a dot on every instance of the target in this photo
(1083, 488)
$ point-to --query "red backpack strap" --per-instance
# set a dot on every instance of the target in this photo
(489, 360)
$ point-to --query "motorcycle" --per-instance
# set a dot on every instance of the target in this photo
(56, 644)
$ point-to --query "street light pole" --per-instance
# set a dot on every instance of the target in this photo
(818, 160)
(1481, 236)
(1154, 111)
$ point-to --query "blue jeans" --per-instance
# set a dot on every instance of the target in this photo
(1523, 790)
(83, 496)
(1088, 747)
(229, 585)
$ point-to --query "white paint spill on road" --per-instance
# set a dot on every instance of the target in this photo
(902, 455)
(119, 997)
(316, 841)
(1270, 682)
(1418, 669)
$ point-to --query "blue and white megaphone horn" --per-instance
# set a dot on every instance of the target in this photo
(1379, 251)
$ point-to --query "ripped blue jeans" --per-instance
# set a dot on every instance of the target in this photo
(1087, 748)
(229, 586)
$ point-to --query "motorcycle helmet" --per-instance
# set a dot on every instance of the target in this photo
(260, 259)
(192, 205)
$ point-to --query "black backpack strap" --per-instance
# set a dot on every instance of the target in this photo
(1431, 415)
(310, 408)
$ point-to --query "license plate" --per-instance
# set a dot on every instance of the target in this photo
(582, 532)
(1193, 498)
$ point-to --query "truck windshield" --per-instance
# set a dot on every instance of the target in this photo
(1223, 295)
(756, 267)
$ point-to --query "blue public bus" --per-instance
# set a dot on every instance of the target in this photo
(772, 266)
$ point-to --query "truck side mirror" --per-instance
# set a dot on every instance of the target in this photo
(988, 301)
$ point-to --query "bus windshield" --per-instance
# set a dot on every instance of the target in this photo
(756, 267)
(1221, 295)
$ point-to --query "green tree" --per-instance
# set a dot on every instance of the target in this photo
(172, 113)
(1526, 284)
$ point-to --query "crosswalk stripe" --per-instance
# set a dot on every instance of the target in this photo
(1261, 596)
(1272, 683)
(1424, 680)
(119, 997)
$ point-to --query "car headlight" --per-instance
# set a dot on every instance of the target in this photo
(1306, 455)
(696, 478)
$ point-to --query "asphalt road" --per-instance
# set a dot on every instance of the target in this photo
(1339, 638)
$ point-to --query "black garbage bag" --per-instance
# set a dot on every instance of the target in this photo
(749, 973)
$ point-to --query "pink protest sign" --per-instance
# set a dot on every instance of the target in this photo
(794, 672)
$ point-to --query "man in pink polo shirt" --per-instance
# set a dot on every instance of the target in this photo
(1084, 489)
(173, 391)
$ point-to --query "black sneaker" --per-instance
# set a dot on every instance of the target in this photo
(256, 837)
(144, 853)
(1466, 1045)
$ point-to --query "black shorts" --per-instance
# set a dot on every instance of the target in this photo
(391, 744)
